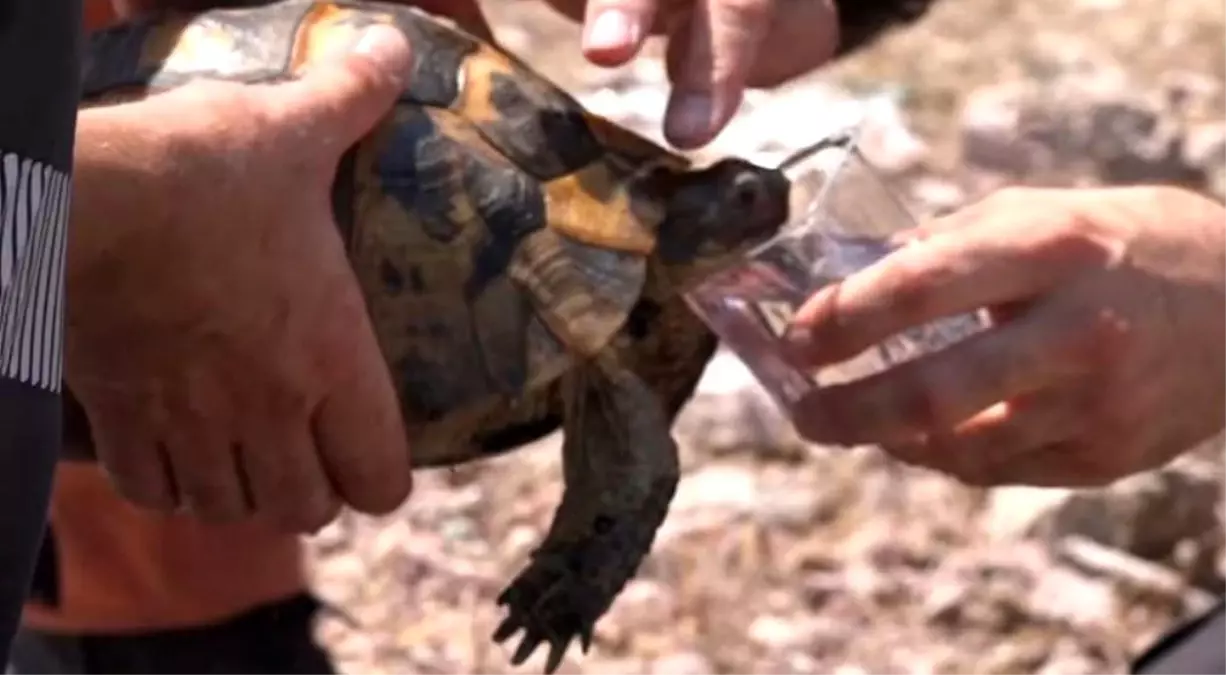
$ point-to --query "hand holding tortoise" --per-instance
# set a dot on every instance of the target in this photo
(216, 336)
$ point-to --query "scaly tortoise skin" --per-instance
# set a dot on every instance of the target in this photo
(522, 261)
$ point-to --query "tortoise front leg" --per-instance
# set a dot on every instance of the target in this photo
(621, 470)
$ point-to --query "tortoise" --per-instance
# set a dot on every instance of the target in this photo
(523, 262)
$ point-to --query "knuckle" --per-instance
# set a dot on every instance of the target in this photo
(1068, 240)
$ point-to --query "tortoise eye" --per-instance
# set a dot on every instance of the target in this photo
(747, 190)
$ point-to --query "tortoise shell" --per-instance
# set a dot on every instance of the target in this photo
(498, 229)
(522, 261)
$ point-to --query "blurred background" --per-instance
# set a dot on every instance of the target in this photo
(779, 556)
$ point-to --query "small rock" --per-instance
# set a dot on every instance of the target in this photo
(1065, 596)
(943, 601)
(777, 632)
(792, 506)
(935, 196)
(1185, 85)
(1017, 512)
(1083, 123)
(1148, 514)
(642, 604)
(886, 141)
(867, 582)
(814, 634)
(1014, 656)
(593, 666)
(781, 633)
(990, 120)
(1134, 143)
(1069, 655)
(717, 487)
(1205, 145)
(681, 663)
(520, 541)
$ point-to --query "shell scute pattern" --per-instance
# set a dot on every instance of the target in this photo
(440, 207)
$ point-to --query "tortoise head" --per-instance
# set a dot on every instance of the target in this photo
(714, 215)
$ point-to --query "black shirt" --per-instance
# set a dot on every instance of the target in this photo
(39, 64)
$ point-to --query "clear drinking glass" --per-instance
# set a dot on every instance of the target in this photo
(843, 218)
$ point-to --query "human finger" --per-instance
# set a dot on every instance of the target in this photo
(123, 433)
(709, 63)
(947, 273)
(359, 430)
(136, 464)
(985, 449)
(936, 392)
(198, 435)
(288, 483)
(614, 30)
(339, 99)
(204, 463)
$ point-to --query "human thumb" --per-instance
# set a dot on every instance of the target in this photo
(341, 96)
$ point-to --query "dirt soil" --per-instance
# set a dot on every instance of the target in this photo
(783, 557)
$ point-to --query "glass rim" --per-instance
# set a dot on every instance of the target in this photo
(847, 139)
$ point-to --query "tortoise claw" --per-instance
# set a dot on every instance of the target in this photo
(557, 650)
(585, 638)
(551, 606)
(531, 639)
(506, 629)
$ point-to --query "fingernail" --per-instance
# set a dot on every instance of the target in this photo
(692, 118)
(611, 29)
(386, 47)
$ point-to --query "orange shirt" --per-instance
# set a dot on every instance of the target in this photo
(123, 568)
(98, 13)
